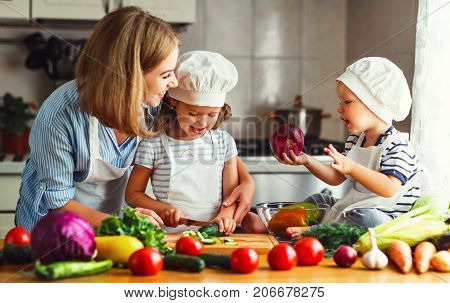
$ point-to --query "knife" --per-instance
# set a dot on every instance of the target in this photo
(190, 222)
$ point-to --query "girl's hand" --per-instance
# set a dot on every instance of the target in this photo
(292, 159)
(171, 216)
(242, 194)
(226, 224)
(342, 164)
(151, 216)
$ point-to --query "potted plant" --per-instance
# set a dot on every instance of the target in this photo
(15, 122)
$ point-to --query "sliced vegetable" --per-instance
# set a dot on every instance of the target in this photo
(309, 251)
(282, 257)
(441, 261)
(244, 260)
(400, 252)
(184, 263)
(374, 258)
(334, 235)
(62, 236)
(135, 226)
(117, 248)
(70, 269)
(18, 236)
(17, 254)
(422, 256)
(216, 260)
(211, 230)
(145, 261)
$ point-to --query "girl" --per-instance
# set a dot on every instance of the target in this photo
(192, 164)
(378, 159)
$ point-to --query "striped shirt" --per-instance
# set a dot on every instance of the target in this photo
(152, 154)
(399, 160)
(59, 145)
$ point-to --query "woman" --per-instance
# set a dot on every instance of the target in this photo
(85, 135)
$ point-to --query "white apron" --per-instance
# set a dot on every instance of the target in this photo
(104, 187)
(193, 184)
(359, 196)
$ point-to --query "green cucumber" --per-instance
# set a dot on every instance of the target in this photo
(216, 260)
(1, 256)
(17, 254)
(68, 269)
(211, 230)
(184, 263)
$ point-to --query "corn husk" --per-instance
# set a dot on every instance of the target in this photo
(424, 221)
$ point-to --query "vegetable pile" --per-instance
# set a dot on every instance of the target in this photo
(135, 226)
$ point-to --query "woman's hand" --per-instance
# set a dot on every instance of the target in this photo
(243, 195)
(226, 224)
(342, 164)
(150, 214)
(292, 159)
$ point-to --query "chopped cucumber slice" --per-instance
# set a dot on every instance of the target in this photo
(199, 234)
(207, 241)
(229, 240)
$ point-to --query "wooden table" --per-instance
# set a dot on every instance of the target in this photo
(326, 271)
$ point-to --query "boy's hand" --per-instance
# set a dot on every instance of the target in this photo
(171, 216)
(292, 159)
(226, 224)
(342, 164)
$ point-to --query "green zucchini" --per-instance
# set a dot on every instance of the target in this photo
(68, 269)
(184, 263)
(211, 230)
(17, 254)
(216, 260)
(1, 256)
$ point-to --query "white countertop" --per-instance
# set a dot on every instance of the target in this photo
(254, 165)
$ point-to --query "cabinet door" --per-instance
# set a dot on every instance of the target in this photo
(15, 9)
(68, 9)
(173, 11)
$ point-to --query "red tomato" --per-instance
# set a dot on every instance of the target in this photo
(309, 251)
(282, 257)
(18, 236)
(189, 246)
(244, 260)
(145, 261)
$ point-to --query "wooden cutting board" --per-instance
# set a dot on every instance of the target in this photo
(261, 243)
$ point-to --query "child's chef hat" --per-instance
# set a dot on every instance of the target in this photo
(381, 86)
(204, 79)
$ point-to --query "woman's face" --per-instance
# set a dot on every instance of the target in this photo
(194, 121)
(357, 117)
(160, 79)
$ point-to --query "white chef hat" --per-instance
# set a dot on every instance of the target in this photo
(381, 86)
(204, 79)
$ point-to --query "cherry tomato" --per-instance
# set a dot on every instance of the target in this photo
(282, 257)
(244, 260)
(145, 261)
(309, 251)
(18, 236)
(189, 246)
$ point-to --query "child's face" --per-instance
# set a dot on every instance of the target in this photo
(160, 79)
(357, 117)
(194, 121)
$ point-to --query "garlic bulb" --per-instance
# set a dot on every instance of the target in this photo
(374, 258)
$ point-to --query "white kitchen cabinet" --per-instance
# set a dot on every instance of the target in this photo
(15, 9)
(83, 10)
(9, 189)
(173, 11)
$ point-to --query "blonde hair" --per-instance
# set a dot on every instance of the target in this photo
(168, 116)
(110, 71)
